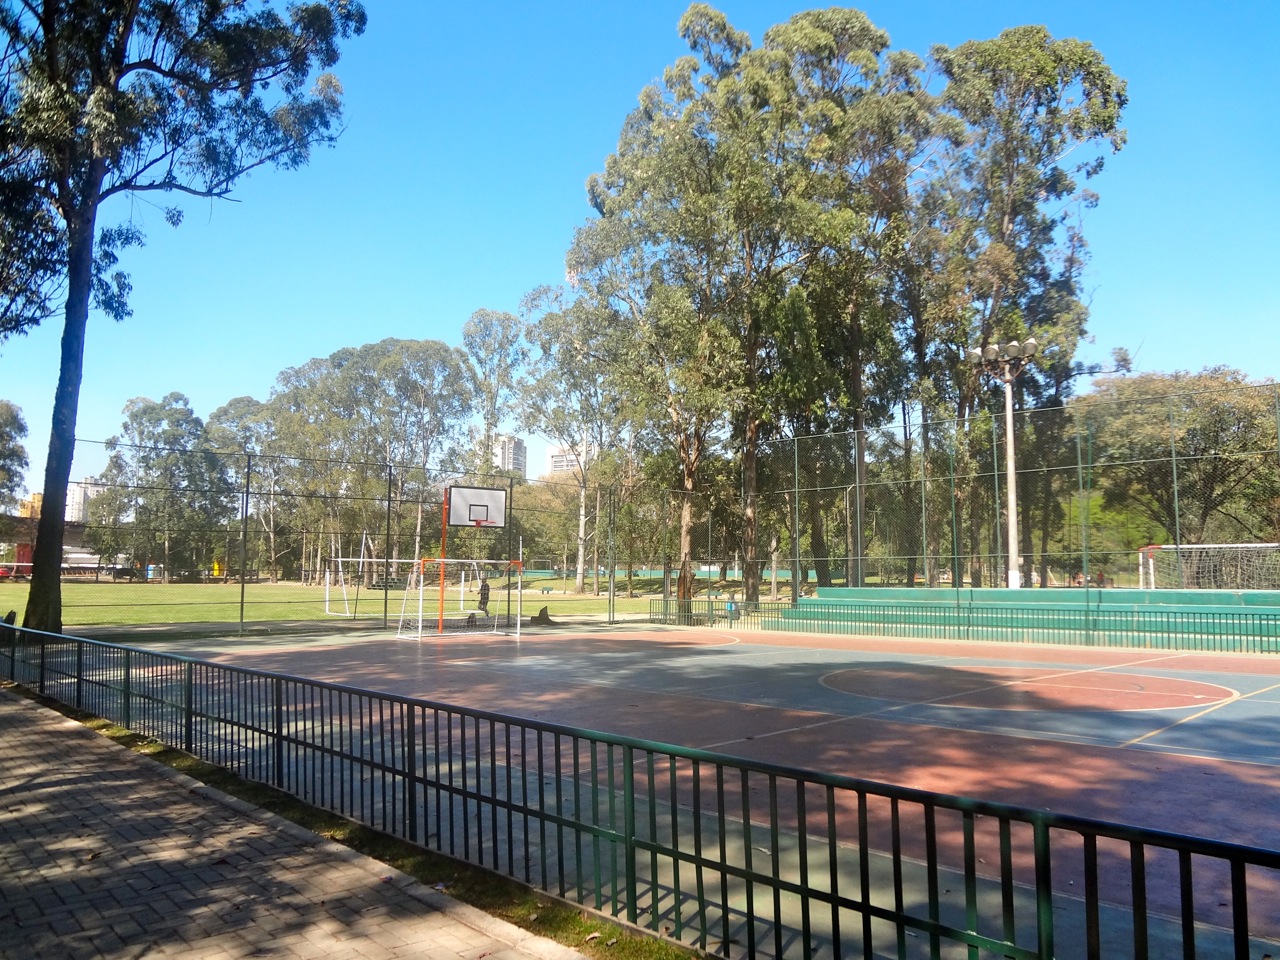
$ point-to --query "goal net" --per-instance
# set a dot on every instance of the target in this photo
(348, 580)
(461, 596)
(1210, 566)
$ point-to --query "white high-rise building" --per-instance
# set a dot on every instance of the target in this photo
(509, 454)
(78, 497)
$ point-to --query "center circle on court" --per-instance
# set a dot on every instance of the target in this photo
(1024, 688)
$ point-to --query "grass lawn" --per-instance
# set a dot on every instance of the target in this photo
(108, 603)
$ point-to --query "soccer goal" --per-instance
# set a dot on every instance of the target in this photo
(346, 577)
(462, 596)
(1210, 566)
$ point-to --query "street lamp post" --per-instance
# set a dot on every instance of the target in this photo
(1005, 361)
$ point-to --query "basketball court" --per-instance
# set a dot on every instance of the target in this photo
(1183, 742)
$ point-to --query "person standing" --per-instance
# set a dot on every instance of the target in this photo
(484, 596)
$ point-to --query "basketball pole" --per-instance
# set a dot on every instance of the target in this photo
(444, 533)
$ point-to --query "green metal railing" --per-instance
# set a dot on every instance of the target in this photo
(733, 857)
(1200, 628)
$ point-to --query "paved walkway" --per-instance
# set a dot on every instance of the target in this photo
(104, 853)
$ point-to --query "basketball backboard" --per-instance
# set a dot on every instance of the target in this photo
(477, 507)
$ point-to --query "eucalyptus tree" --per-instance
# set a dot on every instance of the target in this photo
(166, 485)
(431, 399)
(103, 98)
(13, 456)
(495, 343)
(1193, 452)
(702, 212)
(996, 241)
(865, 120)
(569, 393)
(246, 430)
(362, 411)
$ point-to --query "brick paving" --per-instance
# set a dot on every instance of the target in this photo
(107, 854)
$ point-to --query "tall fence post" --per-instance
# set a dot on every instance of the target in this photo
(612, 554)
(1275, 394)
(244, 531)
(1177, 509)
(997, 525)
(386, 559)
(924, 497)
(795, 515)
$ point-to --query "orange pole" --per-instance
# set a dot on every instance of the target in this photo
(444, 530)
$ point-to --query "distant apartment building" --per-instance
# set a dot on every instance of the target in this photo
(509, 454)
(564, 460)
(78, 497)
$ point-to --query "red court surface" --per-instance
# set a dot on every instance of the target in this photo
(1185, 742)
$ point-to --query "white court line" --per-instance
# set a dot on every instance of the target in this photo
(1237, 696)
(776, 733)
(1037, 678)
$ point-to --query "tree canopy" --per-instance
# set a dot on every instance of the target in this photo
(101, 98)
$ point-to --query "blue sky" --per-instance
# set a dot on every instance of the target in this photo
(471, 129)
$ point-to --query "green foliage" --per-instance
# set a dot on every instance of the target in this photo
(1188, 452)
(113, 97)
(13, 456)
(166, 494)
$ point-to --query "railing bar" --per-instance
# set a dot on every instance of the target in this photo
(559, 767)
(775, 847)
(542, 814)
(698, 869)
(931, 859)
(970, 880)
(652, 798)
(1044, 890)
(899, 907)
(748, 861)
(1186, 887)
(510, 806)
(864, 873)
(613, 825)
(493, 789)
(677, 891)
(1006, 881)
(596, 859)
(463, 768)
(1240, 910)
(1093, 929)
(802, 828)
(721, 824)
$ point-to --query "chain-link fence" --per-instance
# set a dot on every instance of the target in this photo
(1175, 491)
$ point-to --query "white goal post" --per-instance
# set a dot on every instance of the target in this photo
(346, 577)
(1210, 566)
(483, 589)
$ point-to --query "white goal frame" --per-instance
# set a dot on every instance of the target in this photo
(344, 578)
(1229, 564)
(422, 616)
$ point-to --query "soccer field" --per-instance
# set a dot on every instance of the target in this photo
(108, 603)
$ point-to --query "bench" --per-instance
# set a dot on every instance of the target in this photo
(545, 590)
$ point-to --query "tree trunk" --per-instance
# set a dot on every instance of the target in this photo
(44, 600)
(818, 543)
(580, 582)
(750, 517)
